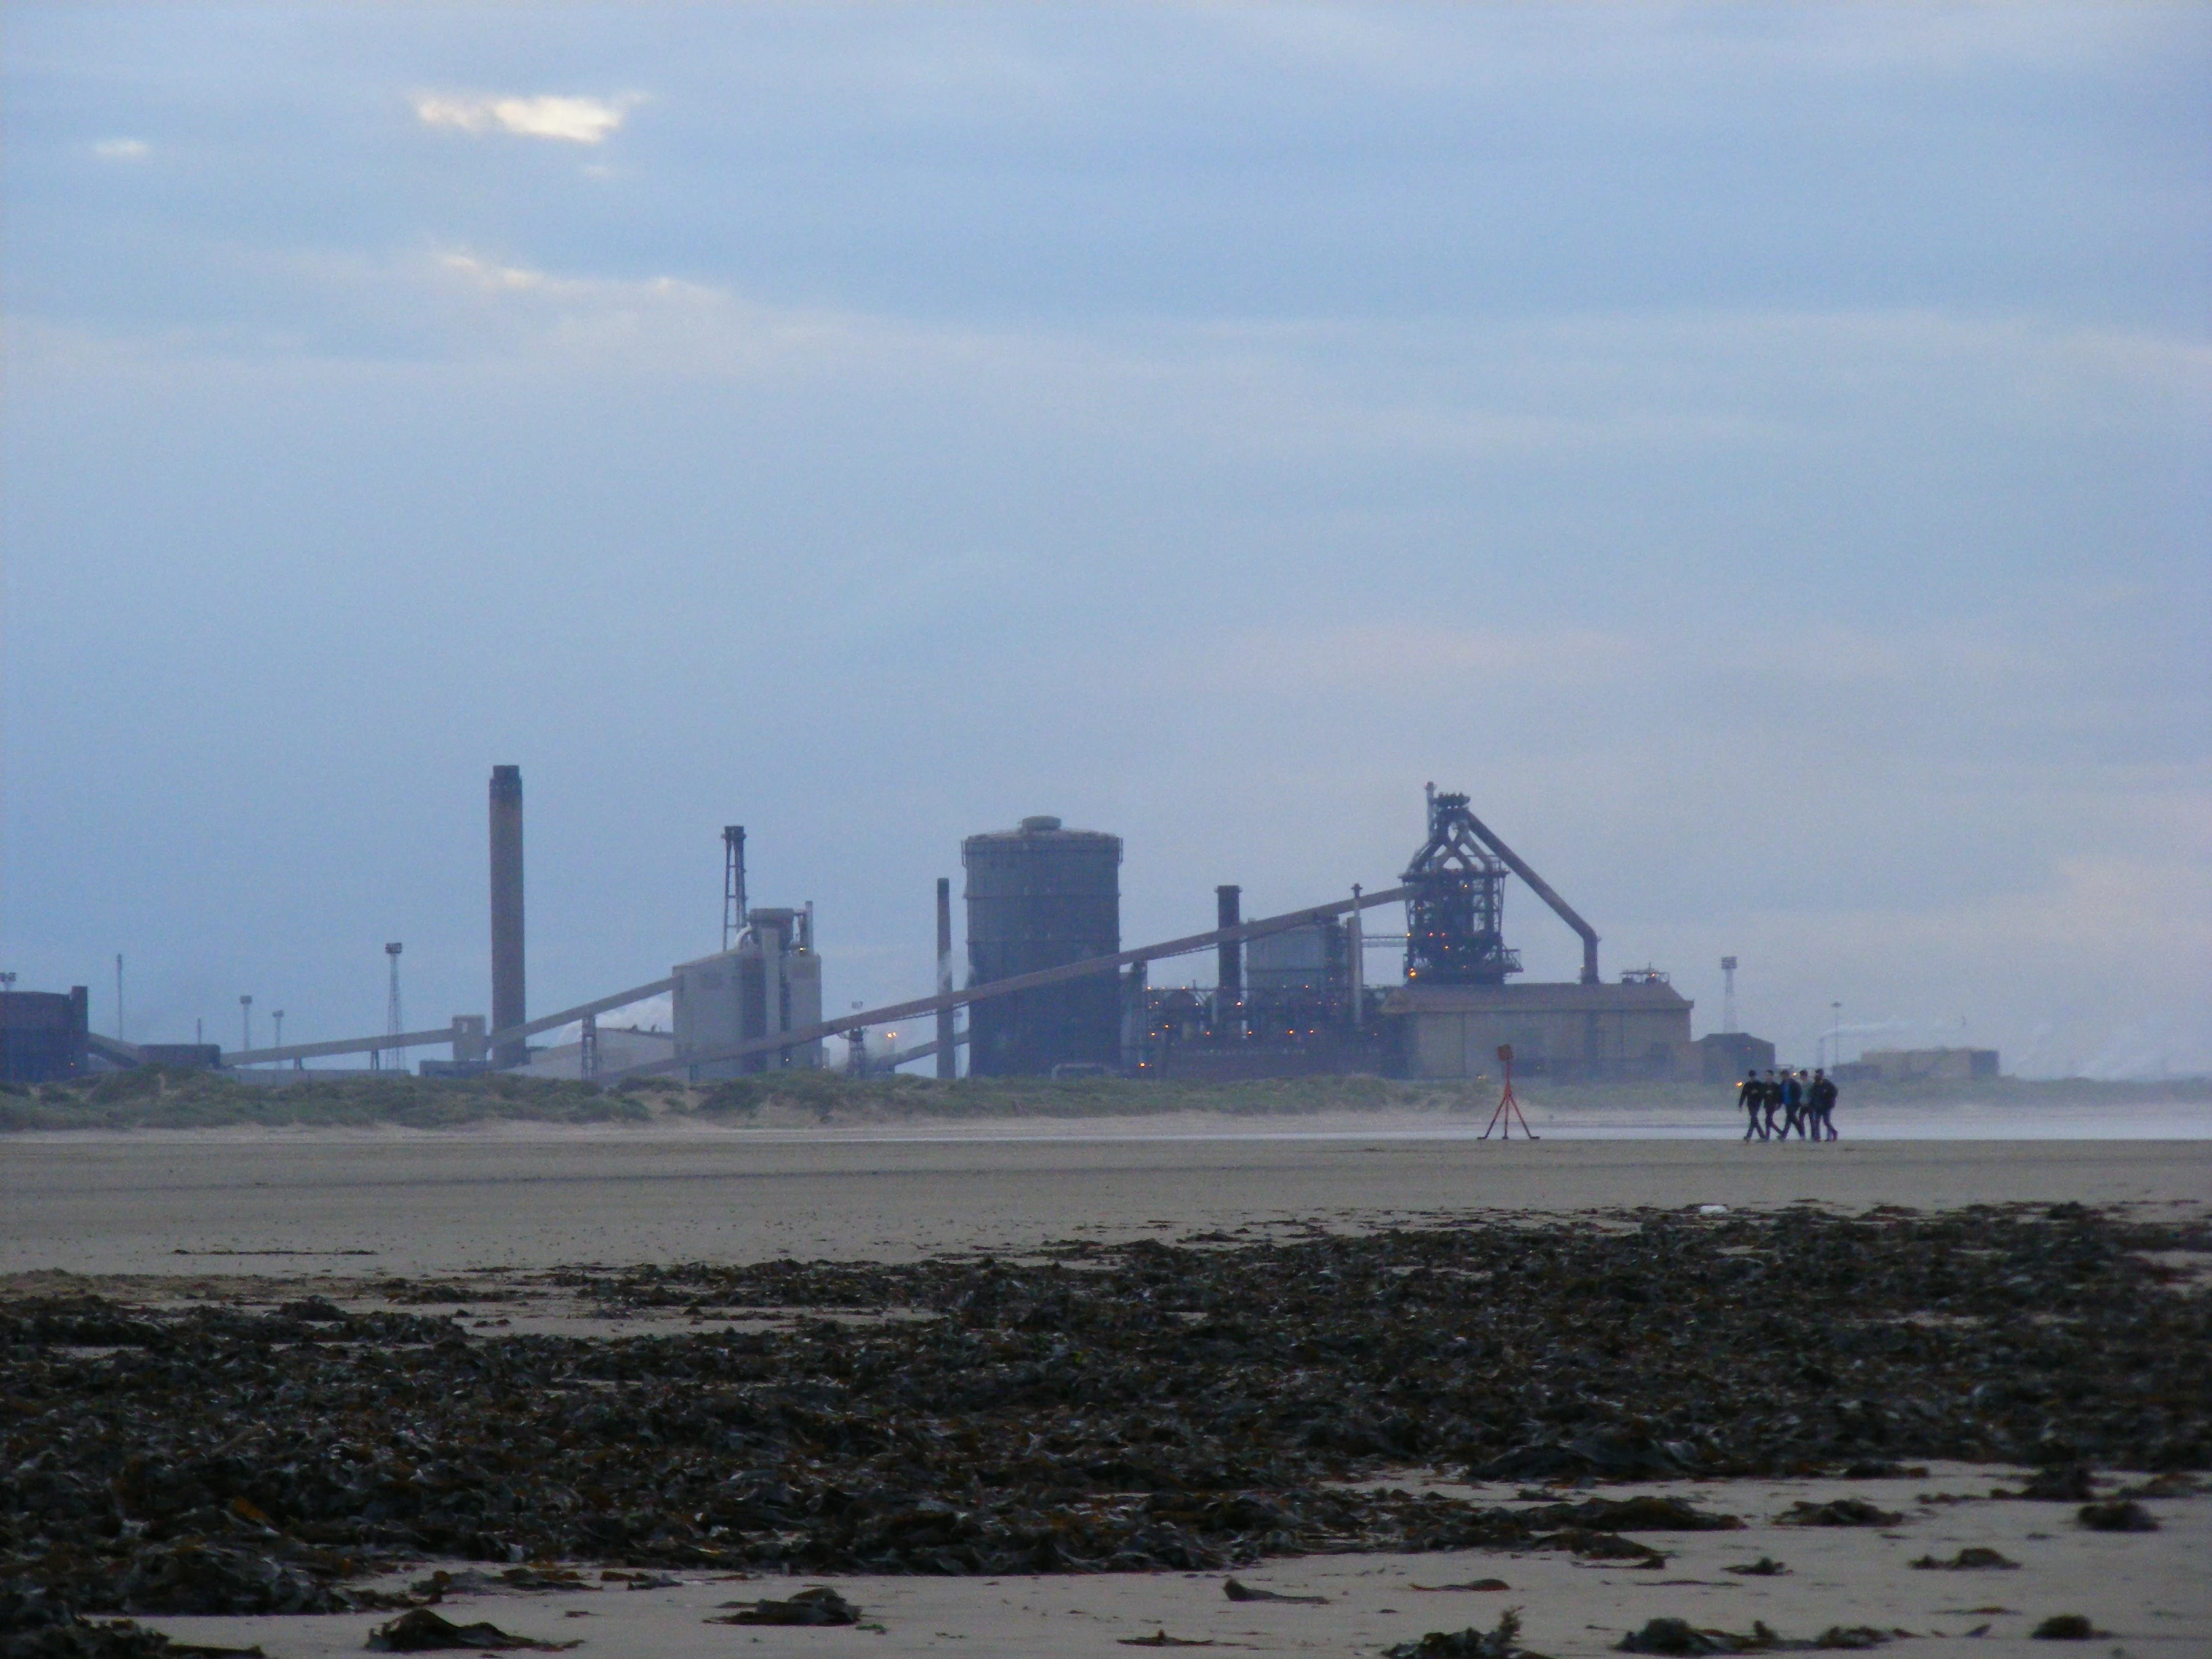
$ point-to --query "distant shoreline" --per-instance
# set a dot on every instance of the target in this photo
(199, 1101)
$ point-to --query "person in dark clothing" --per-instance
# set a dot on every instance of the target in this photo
(1824, 1092)
(1750, 1099)
(1792, 1106)
(1771, 1089)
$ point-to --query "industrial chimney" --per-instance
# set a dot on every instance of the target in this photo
(507, 990)
(947, 1061)
(1229, 969)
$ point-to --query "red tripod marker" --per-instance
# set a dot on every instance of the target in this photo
(1508, 1107)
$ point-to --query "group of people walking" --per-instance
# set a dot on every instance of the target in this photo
(1783, 1100)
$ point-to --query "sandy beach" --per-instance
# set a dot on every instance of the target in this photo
(2147, 1594)
(392, 1220)
(537, 1196)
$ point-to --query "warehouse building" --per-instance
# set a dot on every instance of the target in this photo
(43, 1035)
(1637, 1028)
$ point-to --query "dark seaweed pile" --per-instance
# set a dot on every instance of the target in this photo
(34, 1625)
(1107, 1409)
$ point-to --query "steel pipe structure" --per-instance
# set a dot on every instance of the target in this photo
(1519, 866)
(1000, 987)
(943, 1002)
(513, 1034)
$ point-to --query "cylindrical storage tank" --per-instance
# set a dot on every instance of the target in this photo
(1038, 896)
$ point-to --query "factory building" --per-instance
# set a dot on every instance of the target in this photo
(1295, 1002)
(1040, 896)
(1287, 1004)
(1291, 996)
(1456, 1011)
(1725, 1056)
(612, 1049)
(1638, 1029)
(1300, 962)
(769, 982)
(1911, 1065)
(765, 980)
(43, 1035)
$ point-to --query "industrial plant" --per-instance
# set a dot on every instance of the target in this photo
(1050, 990)
(765, 980)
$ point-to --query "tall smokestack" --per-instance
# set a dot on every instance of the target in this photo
(507, 993)
(1229, 912)
(946, 1069)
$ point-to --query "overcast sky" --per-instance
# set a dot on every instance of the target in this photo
(1760, 453)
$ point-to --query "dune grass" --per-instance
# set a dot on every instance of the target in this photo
(157, 1098)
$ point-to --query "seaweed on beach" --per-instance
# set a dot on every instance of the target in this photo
(2065, 1627)
(1975, 1557)
(36, 1625)
(2123, 1515)
(420, 1631)
(1092, 1408)
(1838, 1512)
(1501, 1642)
(819, 1606)
(1679, 1637)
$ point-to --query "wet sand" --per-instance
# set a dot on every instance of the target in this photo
(2146, 1593)
(531, 1197)
(225, 1210)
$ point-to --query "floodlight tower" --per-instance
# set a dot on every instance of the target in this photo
(246, 1022)
(393, 1027)
(1728, 993)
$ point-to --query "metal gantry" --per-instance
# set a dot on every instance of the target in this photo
(1455, 918)
(1453, 921)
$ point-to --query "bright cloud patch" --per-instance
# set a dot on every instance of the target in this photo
(571, 121)
(121, 149)
(494, 279)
